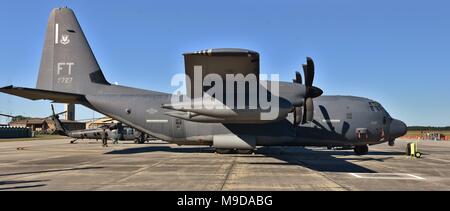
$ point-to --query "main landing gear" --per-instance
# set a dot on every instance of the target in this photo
(361, 150)
(141, 139)
(235, 151)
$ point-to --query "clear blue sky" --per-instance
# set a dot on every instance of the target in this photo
(395, 52)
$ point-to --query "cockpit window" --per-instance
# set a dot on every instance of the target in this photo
(375, 107)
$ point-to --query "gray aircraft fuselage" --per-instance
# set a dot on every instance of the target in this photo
(335, 121)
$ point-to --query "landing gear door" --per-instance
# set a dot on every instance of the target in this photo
(387, 127)
(178, 128)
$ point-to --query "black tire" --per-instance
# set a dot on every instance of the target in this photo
(391, 143)
(418, 155)
(141, 141)
(245, 151)
(224, 151)
(361, 150)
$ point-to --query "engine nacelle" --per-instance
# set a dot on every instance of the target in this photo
(234, 142)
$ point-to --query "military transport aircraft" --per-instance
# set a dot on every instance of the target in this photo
(114, 131)
(69, 73)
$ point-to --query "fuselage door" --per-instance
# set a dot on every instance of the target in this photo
(178, 128)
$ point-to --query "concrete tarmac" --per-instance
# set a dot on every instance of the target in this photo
(58, 165)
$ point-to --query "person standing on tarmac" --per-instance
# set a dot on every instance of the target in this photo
(105, 138)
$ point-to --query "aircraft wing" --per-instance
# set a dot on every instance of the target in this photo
(38, 94)
(240, 68)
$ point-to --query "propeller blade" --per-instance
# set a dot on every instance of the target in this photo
(53, 109)
(298, 78)
(309, 105)
(61, 113)
(297, 116)
(304, 113)
(305, 72)
(309, 72)
(6, 115)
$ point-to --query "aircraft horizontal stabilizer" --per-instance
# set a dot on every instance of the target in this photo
(38, 94)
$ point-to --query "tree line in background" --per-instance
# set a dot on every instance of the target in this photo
(18, 118)
(429, 128)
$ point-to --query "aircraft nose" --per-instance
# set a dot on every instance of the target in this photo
(398, 128)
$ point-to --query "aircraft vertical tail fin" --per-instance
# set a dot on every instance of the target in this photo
(68, 63)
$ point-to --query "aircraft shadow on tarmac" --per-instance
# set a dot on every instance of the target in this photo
(322, 161)
(20, 182)
(139, 150)
(48, 171)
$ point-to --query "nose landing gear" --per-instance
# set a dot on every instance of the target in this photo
(391, 143)
(361, 150)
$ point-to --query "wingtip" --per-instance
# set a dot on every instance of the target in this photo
(7, 87)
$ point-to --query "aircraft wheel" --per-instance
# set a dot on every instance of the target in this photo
(245, 151)
(418, 154)
(224, 151)
(391, 143)
(361, 150)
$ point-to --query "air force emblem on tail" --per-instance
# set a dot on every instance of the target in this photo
(64, 37)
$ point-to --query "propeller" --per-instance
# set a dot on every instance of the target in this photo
(311, 93)
(6, 115)
(53, 113)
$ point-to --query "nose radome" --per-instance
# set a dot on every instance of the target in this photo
(398, 128)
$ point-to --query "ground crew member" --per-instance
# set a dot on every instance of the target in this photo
(105, 138)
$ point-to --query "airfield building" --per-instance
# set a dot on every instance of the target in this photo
(46, 125)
